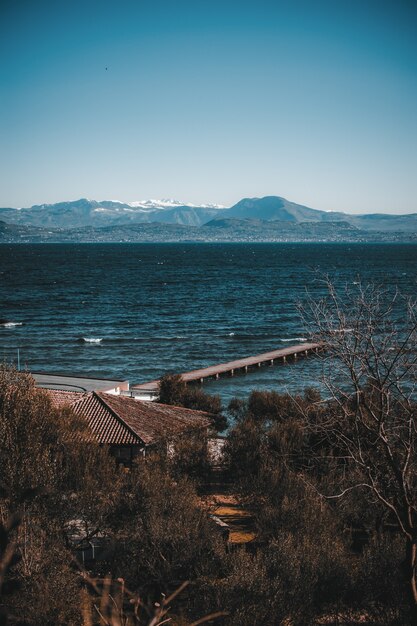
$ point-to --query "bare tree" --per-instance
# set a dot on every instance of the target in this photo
(370, 420)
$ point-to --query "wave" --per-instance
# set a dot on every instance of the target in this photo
(92, 339)
(291, 339)
(248, 336)
(169, 338)
(129, 340)
(6, 324)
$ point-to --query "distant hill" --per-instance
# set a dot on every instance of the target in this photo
(271, 218)
(217, 230)
(275, 208)
(383, 222)
(282, 230)
(17, 231)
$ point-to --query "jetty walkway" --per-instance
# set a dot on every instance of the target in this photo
(215, 371)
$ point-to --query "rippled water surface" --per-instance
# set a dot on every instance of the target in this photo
(136, 311)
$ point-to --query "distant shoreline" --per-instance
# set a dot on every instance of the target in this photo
(210, 243)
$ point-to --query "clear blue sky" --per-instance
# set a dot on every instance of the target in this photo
(210, 101)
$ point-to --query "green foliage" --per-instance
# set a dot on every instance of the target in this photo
(244, 451)
(174, 390)
(282, 466)
(151, 515)
(272, 406)
(306, 564)
(168, 536)
(188, 456)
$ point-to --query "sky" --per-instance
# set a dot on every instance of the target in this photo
(210, 101)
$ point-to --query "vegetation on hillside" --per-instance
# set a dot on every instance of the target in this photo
(332, 483)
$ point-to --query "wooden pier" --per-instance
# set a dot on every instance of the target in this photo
(215, 371)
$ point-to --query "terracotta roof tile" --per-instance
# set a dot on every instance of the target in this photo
(60, 398)
(121, 420)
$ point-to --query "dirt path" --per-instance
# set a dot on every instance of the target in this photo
(239, 519)
(226, 509)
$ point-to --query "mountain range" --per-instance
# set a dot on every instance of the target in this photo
(85, 212)
(271, 218)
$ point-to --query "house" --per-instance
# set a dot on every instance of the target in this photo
(83, 384)
(130, 426)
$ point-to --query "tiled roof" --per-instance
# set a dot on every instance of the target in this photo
(60, 398)
(121, 420)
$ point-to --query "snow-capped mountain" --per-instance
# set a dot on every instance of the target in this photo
(86, 212)
(168, 203)
(108, 213)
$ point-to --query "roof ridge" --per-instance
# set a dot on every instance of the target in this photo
(184, 408)
(116, 415)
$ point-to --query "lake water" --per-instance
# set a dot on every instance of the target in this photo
(152, 308)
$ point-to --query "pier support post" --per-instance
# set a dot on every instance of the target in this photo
(232, 372)
(272, 361)
(284, 359)
(217, 376)
(246, 369)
